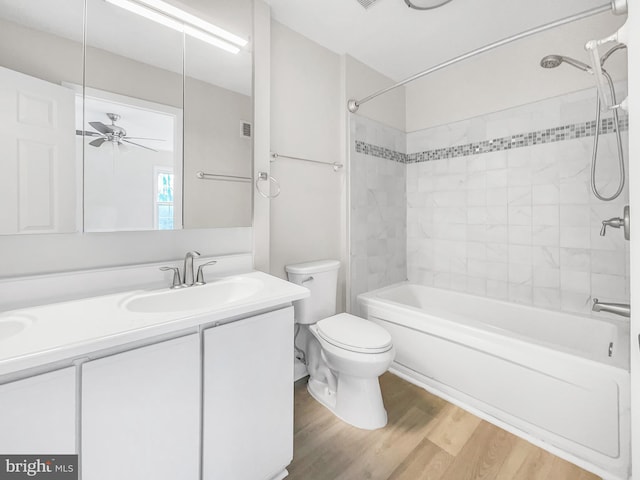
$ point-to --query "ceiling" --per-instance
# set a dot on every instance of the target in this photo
(399, 42)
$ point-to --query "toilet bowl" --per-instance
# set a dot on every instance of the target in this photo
(357, 363)
(345, 354)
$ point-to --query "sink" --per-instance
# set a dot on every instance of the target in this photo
(13, 324)
(197, 297)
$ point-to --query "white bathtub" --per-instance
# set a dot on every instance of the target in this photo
(560, 381)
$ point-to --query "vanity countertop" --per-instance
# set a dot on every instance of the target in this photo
(36, 336)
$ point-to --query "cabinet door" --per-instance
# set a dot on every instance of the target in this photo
(141, 413)
(38, 414)
(248, 398)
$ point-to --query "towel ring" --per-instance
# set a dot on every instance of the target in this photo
(265, 176)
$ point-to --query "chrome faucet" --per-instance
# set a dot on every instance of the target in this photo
(187, 271)
(175, 282)
(200, 277)
(623, 309)
(617, 222)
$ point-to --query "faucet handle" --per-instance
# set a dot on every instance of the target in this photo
(176, 282)
(200, 275)
(617, 222)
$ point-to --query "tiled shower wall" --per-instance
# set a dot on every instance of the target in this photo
(378, 214)
(500, 206)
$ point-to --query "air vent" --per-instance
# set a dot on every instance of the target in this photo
(245, 129)
(366, 3)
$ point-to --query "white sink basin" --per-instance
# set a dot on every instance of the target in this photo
(195, 298)
(13, 324)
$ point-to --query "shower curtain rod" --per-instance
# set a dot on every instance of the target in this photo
(353, 105)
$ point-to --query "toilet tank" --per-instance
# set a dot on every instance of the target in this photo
(321, 277)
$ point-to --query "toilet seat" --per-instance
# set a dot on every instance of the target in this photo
(354, 334)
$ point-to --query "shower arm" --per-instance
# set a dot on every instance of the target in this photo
(353, 105)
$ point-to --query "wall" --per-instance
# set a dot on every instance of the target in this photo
(377, 199)
(118, 193)
(378, 207)
(309, 119)
(215, 114)
(262, 130)
(500, 206)
(509, 76)
(23, 255)
(388, 109)
(634, 198)
(306, 218)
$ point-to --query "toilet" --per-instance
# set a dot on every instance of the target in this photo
(345, 354)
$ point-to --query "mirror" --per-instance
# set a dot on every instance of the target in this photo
(122, 152)
(218, 130)
(133, 112)
(40, 56)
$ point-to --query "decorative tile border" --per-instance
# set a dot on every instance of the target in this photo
(550, 135)
(380, 152)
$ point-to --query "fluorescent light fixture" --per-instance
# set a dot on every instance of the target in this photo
(194, 21)
(205, 37)
(180, 24)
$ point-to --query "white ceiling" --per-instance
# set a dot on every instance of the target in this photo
(399, 42)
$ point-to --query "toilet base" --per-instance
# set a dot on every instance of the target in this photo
(357, 401)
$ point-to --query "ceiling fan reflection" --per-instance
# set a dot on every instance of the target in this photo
(113, 134)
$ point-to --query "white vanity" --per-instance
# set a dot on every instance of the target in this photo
(155, 384)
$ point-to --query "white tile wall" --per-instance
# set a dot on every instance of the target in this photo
(378, 210)
(519, 225)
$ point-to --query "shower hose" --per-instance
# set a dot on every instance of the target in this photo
(596, 137)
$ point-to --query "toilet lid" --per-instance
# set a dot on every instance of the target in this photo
(354, 334)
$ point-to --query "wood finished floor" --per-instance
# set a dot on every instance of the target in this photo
(426, 439)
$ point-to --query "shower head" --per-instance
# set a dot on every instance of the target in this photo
(553, 61)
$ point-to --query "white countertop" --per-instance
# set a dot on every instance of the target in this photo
(73, 329)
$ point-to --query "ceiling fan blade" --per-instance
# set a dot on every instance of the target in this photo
(101, 127)
(146, 138)
(97, 142)
(87, 133)
(138, 145)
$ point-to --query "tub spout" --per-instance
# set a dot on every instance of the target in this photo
(623, 309)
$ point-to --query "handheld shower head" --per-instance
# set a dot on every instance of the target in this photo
(553, 61)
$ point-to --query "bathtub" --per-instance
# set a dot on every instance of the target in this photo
(560, 381)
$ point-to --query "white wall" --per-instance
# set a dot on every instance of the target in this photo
(517, 221)
(378, 208)
(309, 119)
(215, 114)
(119, 187)
(509, 76)
(388, 109)
(262, 130)
(305, 122)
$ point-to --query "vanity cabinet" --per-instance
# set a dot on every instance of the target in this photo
(38, 414)
(141, 413)
(213, 403)
(248, 397)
